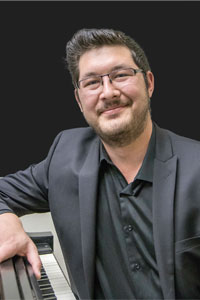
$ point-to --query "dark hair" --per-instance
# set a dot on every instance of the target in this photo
(87, 39)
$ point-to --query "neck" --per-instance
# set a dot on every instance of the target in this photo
(128, 159)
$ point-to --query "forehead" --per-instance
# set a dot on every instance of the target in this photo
(105, 58)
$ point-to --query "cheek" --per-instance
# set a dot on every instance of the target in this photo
(130, 91)
(135, 91)
(88, 106)
(87, 102)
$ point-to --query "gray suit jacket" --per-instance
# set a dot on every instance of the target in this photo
(66, 184)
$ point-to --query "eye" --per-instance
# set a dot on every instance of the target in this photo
(122, 75)
(90, 82)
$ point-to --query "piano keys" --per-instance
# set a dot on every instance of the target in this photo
(56, 278)
(17, 281)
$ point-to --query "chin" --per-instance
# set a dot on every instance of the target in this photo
(113, 130)
(121, 131)
(112, 125)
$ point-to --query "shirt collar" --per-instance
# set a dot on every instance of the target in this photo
(146, 170)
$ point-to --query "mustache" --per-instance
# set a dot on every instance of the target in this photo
(111, 104)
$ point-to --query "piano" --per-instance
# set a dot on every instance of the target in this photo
(17, 281)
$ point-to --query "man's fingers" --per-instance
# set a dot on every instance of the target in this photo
(34, 259)
(14, 241)
(6, 251)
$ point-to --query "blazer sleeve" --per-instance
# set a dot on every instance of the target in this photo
(26, 191)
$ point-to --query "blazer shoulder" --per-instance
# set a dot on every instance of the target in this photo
(78, 135)
(180, 145)
(188, 142)
(75, 142)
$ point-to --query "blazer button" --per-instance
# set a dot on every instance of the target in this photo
(136, 267)
(128, 228)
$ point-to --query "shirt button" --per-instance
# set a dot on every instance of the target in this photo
(136, 267)
(128, 228)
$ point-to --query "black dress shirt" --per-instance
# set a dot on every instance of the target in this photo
(126, 265)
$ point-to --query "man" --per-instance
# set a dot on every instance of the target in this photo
(123, 193)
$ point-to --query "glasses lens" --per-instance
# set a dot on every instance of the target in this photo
(91, 83)
(121, 75)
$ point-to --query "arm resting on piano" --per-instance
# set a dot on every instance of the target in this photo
(14, 241)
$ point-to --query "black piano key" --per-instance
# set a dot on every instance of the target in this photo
(44, 277)
(45, 286)
(46, 296)
(41, 282)
(47, 290)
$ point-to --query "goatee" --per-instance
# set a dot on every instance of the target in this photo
(128, 131)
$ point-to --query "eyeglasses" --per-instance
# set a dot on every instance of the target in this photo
(118, 78)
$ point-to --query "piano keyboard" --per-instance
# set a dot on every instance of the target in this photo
(57, 282)
(17, 281)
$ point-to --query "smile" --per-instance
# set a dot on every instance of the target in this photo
(113, 110)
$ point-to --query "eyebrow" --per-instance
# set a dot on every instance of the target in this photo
(115, 68)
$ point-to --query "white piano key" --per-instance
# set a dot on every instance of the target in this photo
(56, 277)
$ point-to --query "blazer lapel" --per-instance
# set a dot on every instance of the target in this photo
(163, 211)
(88, 187)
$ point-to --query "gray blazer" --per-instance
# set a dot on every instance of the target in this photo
(66, 184)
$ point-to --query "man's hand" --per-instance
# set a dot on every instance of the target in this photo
(14, 241)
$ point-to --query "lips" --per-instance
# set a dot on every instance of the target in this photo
(113, 109)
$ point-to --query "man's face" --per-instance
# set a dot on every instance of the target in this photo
(116, 114)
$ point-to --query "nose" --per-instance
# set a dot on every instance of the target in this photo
(109, 91)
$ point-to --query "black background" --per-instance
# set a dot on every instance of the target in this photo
(36, 93)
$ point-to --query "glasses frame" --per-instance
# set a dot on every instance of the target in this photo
(108, 74)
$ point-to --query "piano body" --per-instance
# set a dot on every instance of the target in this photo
(17, 281)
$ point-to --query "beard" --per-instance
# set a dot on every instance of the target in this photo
(118, 130)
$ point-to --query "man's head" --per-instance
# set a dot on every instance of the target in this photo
(87, 39)
(113, 83)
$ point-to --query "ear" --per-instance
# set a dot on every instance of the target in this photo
(150, 80)
(78, 99)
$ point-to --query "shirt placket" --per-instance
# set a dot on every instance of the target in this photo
(135, 260)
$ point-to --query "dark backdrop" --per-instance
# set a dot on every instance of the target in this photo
(36, 93)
